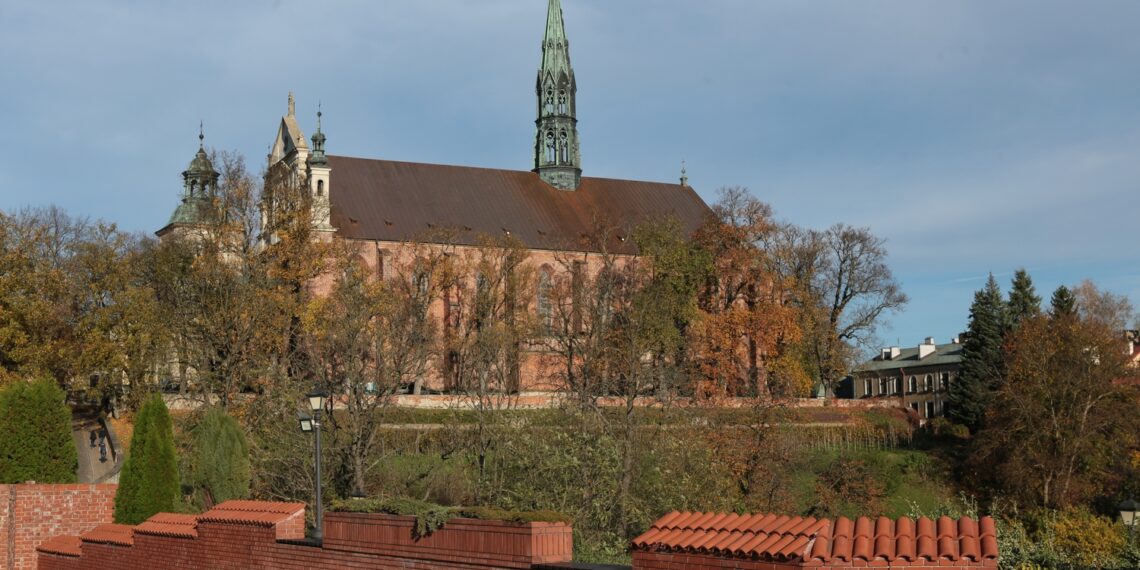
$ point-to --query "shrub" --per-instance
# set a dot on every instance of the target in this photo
(35, 434)
(220, 470)
(1087, 540)
(431, 517)
(149, 482)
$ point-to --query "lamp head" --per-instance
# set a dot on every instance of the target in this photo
(317, 399)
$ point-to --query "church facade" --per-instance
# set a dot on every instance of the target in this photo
(380, 206)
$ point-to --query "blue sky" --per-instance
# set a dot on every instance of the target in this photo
(973, 135)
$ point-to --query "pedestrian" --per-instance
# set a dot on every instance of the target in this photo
(93, 436)
(102, 451)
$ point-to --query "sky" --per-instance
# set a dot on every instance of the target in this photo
(973, 136)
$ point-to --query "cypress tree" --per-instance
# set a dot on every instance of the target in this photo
(982, 359)
(1063, 303)
(35, 434)
(149, 483)
(1023, 299)
(220, 470)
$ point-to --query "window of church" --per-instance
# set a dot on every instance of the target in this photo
(564, 148)
(551, 148)
(562, 110)
(542, 304)
(320, 188)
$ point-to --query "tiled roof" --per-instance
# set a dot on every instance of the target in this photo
(823, 541)
(62, 545)
(118, 534)
(251, 512)
(167, 524)
(397, 201)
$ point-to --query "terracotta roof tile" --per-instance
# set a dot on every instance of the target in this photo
(255, 513)
(118, 534)
(821, 541)
(62, 545)
(166, 524)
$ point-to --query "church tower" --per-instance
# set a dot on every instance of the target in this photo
(557, 157)
(199, 189)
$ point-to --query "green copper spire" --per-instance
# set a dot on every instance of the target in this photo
(318, 157)
(557, 156)
(199, 183)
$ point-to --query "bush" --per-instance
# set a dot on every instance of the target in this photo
(431, 517)
(1087, 540)
(220, 470)
(35, 434)
(149, 482)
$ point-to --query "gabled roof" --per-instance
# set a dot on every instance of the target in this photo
(908, 358)
(398, 201)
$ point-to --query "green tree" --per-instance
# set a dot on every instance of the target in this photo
(149, 482)
(1063, 303)
(982, 363)
(35, 434)
(221, 469)
(1023, 299)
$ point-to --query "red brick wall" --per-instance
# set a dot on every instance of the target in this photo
(473, 545)
(31, 513)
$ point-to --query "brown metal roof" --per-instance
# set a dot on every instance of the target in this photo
(397, 201)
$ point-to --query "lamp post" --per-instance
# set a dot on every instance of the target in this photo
(1129, 513)
(317, 400)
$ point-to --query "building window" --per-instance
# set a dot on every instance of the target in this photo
(927, 383)
(542, 304)
(929, 410)
(882, 387)
(944, 380)
(867, 387)
(913, 385)
(320, 188)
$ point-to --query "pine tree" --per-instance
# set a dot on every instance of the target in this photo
(1023, 299)
(35, 434)
(982, 359)
(221, 459)
(1063, 303)
(149, 483)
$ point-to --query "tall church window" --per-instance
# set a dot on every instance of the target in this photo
(320, 188)
(542, 304)
(564, 147)
(562, 102)
(548, 107)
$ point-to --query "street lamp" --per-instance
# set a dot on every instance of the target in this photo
(1128, 514)
(317, 400)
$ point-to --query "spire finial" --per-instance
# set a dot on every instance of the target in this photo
(201, 134)
(318, 157)
(684, 174)
(292, 105)
(319, 114)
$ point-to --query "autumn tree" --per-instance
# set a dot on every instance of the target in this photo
(1053, 436)
(843, 289)
(367, 339)
(748, 329)
(983, 364)
(1105, 307)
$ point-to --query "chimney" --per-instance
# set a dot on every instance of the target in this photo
(890, 353)
(926, 348)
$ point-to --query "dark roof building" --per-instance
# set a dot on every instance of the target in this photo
(551, 207)
(920, 378)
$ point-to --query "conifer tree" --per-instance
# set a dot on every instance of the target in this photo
(1063, 303)
(1023, 299)
(982, 360)
(35, 434)
(149, 482)
(221, 459)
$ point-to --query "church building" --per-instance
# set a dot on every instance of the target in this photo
(550, 208)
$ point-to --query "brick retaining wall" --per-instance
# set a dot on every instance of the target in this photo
(32, 513)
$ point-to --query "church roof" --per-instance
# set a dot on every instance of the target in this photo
(397, 201)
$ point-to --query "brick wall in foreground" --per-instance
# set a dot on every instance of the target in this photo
(32, 513)
(245, 538)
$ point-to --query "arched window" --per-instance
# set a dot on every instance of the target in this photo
(320, 188)
(564, 147)
(913, 385)
(562, 102)
(945, 382)
(551, 148)
(549, 104)
(927, 383)
(542, 303)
